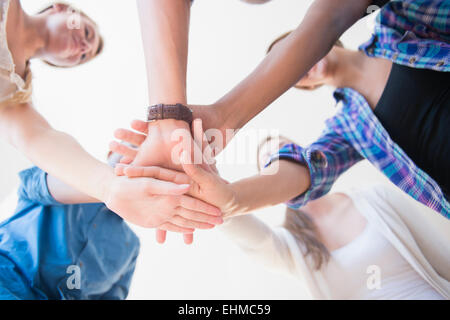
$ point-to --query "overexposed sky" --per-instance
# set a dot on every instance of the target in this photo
(228, 39)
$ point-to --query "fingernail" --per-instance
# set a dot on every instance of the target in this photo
(184, 186)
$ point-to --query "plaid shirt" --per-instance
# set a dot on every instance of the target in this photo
(352, 135)
(414, 33)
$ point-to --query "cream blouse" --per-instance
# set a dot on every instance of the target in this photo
(13, 89)
(410, 231)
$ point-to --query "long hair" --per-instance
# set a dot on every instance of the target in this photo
(301, 226)
(299, 223)
(101, 42)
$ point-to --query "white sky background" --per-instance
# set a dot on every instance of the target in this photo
(228, 39)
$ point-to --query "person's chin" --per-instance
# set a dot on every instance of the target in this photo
(67, 63)
(320, 68)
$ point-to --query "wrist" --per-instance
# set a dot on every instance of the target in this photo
(234, 205)
(105, 181)
(224, 116)
(167, 124)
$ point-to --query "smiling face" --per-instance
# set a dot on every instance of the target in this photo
(317, 76)
(73, 38)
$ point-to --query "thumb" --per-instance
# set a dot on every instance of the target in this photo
(159, 187)
(195, 172)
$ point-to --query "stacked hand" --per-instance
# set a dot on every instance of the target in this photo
(204, 183)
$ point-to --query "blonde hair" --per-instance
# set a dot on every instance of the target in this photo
(283, 36)
(300, 225)
(302, 228)
(101, 43)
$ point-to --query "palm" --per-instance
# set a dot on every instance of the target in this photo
(160, 147)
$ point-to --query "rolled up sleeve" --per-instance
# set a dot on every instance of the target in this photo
(34, 187)
(327, 158)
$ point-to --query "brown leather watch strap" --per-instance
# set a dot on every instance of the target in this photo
(166, 111)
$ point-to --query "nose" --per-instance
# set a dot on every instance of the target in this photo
(85, 46)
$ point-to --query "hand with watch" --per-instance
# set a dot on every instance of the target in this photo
(169, 132)
(166, 133)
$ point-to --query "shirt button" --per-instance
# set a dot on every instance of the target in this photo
(395, 56)
(319, 159)
(440, 63)
(412, 60)
(370, 51)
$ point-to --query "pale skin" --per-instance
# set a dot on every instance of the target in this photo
(337, 220)
(340, 68)
(147, 202)
(167, 50)
(165, 31)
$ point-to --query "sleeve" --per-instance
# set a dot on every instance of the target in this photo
(13, 89)
(120, 289)
(376, 4)
(34, 187)
(327, 158)
(260, 242)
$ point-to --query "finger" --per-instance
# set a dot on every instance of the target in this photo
(199, 206)
(174, 228)
(185, 223)
(129, 136)
(201, 140)
(159, 187)
(198, 216)
(197, 132)
(157, 173)
(195, 172)
(140, 126)
(126, 160)
(188, 238)
(123, 150)
(161, 236)
(119, 170)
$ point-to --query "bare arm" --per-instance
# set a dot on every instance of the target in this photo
(264, 190)
(65, 194)
(54, 151)
(262, 243)
(165, 31)
(283, 180)
(148, 202)
(324, 23)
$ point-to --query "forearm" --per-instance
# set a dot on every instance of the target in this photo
(54, 152)
(63, 193)
(288, 62)
(265, 190)
(165, 31)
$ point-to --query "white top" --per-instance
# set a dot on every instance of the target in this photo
(369, 254)
(13, 89)
(377, 264)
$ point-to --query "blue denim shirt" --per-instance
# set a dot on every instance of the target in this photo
(46, 247)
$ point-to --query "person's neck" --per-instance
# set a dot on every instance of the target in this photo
(321, 209)
(33, 34)
(346, 69)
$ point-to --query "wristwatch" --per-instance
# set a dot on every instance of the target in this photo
(167, 111)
